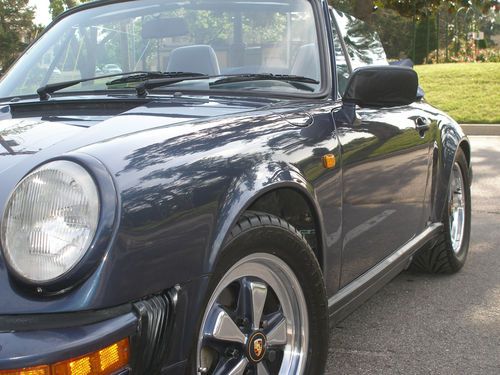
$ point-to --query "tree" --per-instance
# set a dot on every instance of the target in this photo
(59, 6)
(426, 7)
(422, 25)
(16, 29)
(363, 9)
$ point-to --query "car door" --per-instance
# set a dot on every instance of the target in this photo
(385, 163)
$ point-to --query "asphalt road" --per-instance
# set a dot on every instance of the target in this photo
(425, 324)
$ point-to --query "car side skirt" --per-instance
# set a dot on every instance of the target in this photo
(346, 300)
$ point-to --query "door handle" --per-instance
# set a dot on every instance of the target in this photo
(422, 124)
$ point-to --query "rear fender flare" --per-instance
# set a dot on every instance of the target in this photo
(450, 139)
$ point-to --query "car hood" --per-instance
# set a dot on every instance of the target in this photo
(29, 128)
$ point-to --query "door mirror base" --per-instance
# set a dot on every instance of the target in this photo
(346, 115)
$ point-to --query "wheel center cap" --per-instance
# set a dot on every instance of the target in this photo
(257, 347)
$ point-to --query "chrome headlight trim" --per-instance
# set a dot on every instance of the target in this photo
(102, 239)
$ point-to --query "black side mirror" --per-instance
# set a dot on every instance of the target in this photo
(382, 86)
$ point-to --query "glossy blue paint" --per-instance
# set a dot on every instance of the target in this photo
(386, 166)
(176, 173)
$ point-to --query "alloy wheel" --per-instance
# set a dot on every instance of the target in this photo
(256, 321)
(457, 208)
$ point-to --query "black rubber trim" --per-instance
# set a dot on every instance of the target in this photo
(150, 344)
(25, 322)
(347, 299)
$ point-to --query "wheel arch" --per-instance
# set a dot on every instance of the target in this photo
(465, 146)
(271, 198)
(451, 139)
(296, 208)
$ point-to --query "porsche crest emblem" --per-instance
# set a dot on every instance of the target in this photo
(258, 347)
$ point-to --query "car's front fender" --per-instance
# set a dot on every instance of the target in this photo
(246, 190)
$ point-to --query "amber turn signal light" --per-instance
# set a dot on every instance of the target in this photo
(329, 161)
(102, 362)
(39, 370)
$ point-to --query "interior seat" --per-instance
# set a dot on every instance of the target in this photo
(306, 62)
(195, 59)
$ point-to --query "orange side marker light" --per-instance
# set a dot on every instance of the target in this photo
(329, 161)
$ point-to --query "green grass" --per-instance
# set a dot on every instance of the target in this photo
(470, 93)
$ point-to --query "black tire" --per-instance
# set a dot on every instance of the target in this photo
(263, 233)
(440, 257)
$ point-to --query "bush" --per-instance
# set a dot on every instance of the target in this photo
(488, 55)
(466, 53)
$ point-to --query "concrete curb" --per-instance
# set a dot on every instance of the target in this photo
(481, 129)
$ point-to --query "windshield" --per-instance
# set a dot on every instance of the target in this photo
(212, 37)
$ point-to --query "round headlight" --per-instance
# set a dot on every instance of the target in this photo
(50, 221)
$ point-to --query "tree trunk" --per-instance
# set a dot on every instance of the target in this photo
(363, 10)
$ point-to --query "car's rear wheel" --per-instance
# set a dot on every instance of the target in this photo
(448, 255)
(267, 310)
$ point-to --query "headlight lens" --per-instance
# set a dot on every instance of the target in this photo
(50, 221)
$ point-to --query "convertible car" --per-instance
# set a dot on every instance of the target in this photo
(253, 172)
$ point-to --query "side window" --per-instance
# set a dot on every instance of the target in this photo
(343, 71)
(362, 43)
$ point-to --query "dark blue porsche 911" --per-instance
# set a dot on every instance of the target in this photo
(201, 186)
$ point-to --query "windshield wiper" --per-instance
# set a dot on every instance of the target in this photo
(263, 77)
(142, 89)
(150, 84)
(151, 80)
(137, 76)
(153, 75)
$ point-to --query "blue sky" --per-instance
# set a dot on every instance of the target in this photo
(42, 15)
